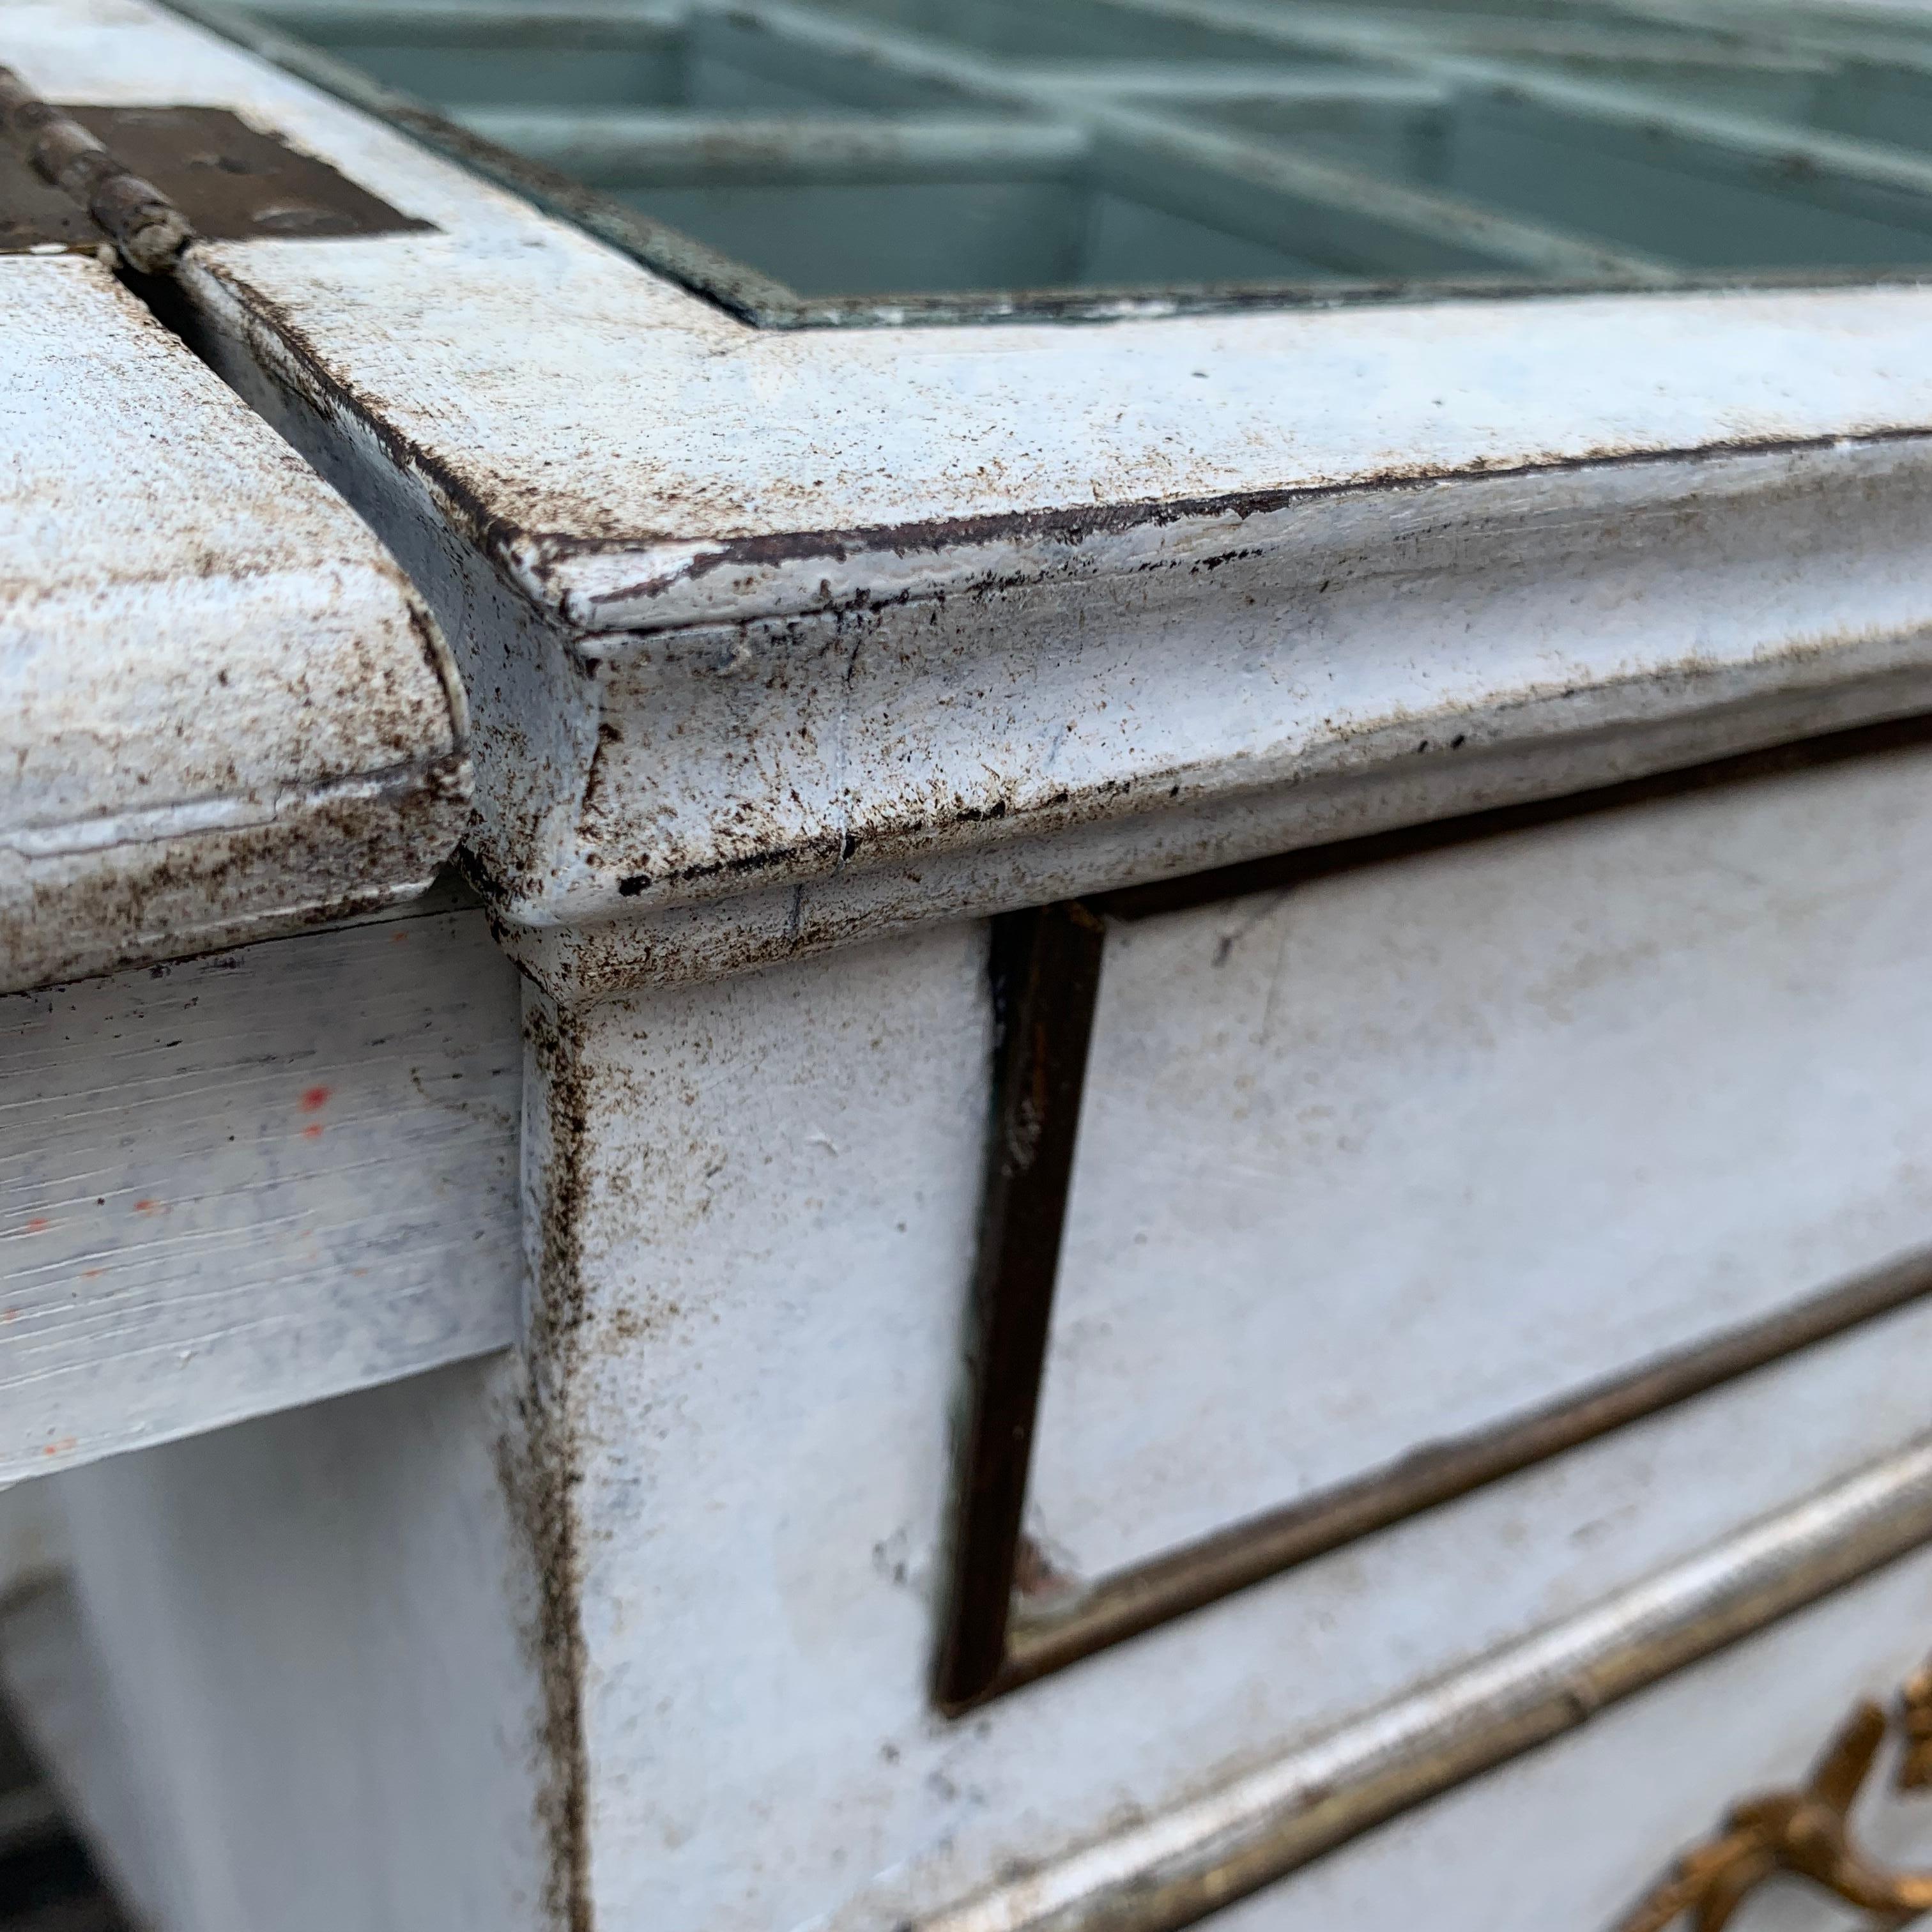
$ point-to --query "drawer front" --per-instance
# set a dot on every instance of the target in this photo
(1413, 1166)
(1588, 1833)
(1755, 1715)
(1384, 1159)
(777, 1354)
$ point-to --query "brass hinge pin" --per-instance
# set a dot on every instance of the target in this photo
(147, 228)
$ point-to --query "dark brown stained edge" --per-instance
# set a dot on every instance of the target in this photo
(986, 1650)
(1045, 967)
(1316, 861)
(1074, 524)
(1133, 1600)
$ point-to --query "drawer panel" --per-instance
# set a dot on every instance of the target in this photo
(1385, 1158)
(1414, 1164)
(1576, 1834)
(1557, 1780)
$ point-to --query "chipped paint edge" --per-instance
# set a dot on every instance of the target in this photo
(613, 593)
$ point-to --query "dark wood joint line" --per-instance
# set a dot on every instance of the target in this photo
(1046, 979)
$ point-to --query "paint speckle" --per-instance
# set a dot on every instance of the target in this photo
(316, 1098)
(39, 1225)
(313, 1133)
(147, 1204)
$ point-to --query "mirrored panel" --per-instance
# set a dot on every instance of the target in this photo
(855, 160)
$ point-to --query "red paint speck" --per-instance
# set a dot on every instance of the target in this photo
(61, 1448)
(10, 1315)
(146, 1205)
(39, 1225)
(315, 1099)
(313, 1133)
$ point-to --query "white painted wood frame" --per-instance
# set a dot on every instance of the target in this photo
(793, 656)
(248, 1181)
(223, 713)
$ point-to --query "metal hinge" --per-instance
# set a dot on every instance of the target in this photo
(151, 180)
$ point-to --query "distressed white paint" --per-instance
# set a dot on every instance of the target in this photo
(773, 1180)
(286, 1678)
(253, 1180)
(1560, 629)
(602, 467)
(1543, 1853)
(740, 795)
(222, 710)
(754, 1197)
(1392, 1157)
(749, 1352)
